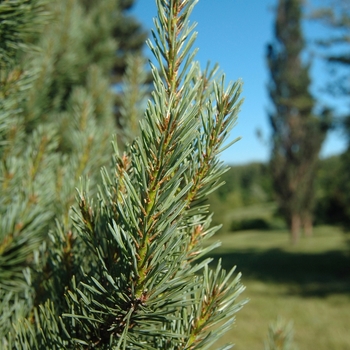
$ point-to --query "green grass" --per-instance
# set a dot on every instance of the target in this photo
(308, 284)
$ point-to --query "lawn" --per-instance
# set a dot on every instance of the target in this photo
(308, 284)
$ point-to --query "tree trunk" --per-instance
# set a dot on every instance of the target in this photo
(295, 228)
(308, 226)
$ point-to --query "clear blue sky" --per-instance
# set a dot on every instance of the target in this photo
(234, 33)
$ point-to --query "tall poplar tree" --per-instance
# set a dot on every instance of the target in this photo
(297, 134)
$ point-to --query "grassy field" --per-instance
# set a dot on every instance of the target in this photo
(308, 284)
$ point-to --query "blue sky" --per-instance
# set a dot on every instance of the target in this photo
(234, 33)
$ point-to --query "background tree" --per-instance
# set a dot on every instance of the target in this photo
(335, 15)
(331, 205)
(127, 59)
(124, 268)
(335, 50)
(131, 38)
(245, 185)
(297, 134)
(135, 91)
(129, 77)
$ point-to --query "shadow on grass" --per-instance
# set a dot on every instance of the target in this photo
(306, 274)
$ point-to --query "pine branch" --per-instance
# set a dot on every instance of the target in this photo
(149, 201)
(280, 336)
(18, 20)
(131, 272)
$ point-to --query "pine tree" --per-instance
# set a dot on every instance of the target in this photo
(126, 31)
(297, 134)
(134, 94)
(51, 135)
(126, 268)
(131, 37)
(73, 41)
(19, 207)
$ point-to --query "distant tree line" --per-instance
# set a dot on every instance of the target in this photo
(251, 185)
(335, 15)
(332, 197)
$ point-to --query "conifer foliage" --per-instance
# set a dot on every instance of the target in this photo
(280, 336)
(40, 164)
(126, 269)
